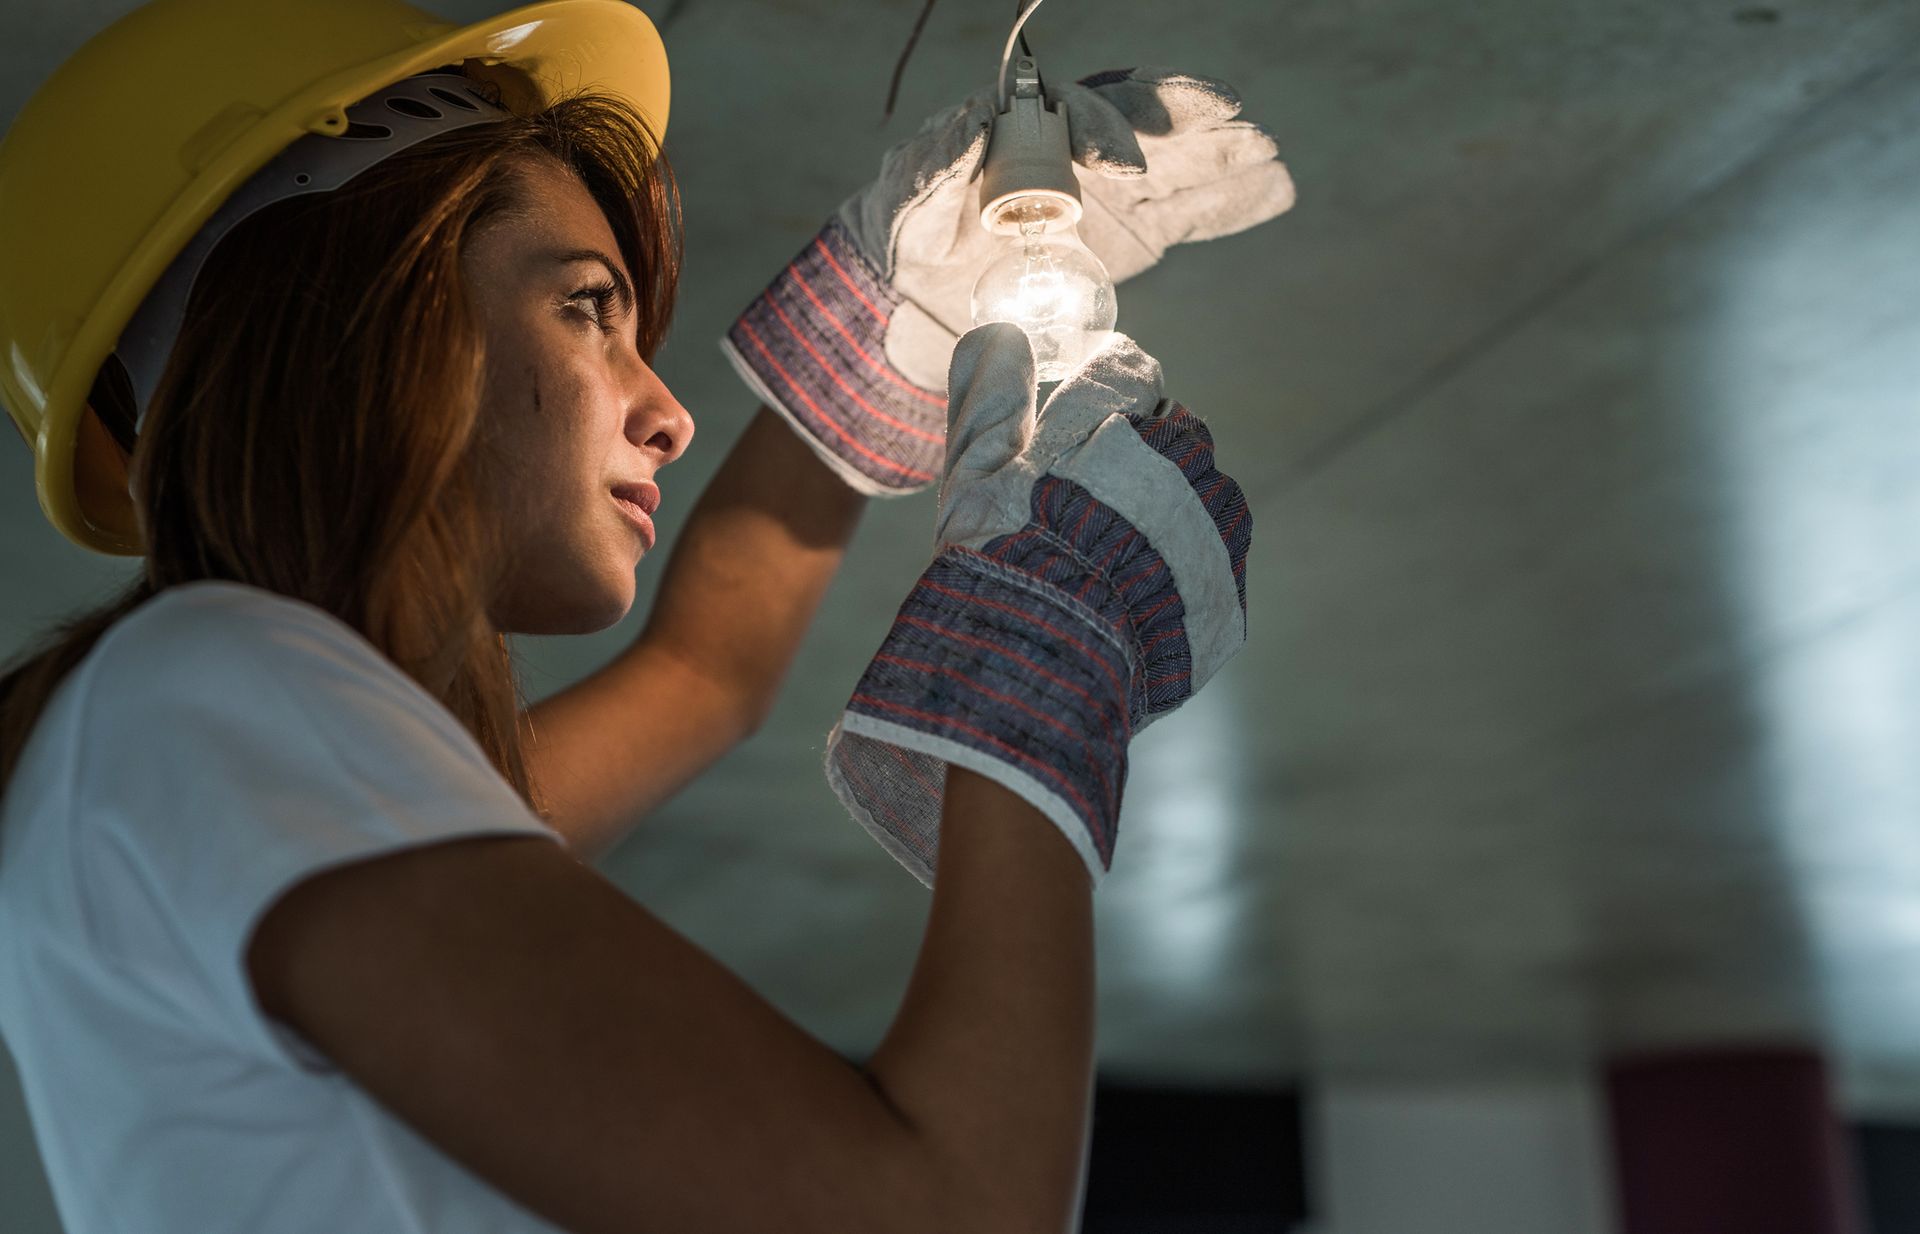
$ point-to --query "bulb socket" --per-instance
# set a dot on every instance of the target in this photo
(1028, 172)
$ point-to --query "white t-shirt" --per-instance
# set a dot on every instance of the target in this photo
(218, 745)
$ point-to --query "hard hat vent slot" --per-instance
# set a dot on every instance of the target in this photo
(412, 107)
(367, 132)
(451, 99)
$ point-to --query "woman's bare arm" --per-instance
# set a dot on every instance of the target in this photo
(990, 1058)
(580, 1055)
(746, 576)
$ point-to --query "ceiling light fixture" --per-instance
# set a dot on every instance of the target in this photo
(1044, 279)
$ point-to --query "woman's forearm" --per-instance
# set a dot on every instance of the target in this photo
(745, 578)
(990, 1058)
(757, 554)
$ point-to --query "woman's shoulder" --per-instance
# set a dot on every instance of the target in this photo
(216, 653)
(192, 635)
(220, 616)
(250, 668)
(203, 664)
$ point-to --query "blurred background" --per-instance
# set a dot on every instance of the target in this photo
(1549, 860)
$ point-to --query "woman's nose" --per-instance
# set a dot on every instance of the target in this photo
(660, 423)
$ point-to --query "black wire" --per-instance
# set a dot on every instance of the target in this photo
(920, 23)
(900, 67)
(1028, 53)
(1019, 7)
(673, 11)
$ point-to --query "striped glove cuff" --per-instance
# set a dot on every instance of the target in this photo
(1031, 660)
(813, 347)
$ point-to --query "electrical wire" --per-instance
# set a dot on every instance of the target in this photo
(1028, 53)
(1000, 82)
(673, 11)
(900, 65)
(1024, 10)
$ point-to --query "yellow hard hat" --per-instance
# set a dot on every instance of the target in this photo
(121, 158)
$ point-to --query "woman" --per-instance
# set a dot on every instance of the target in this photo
(300, 934)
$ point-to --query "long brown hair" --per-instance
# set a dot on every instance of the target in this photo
(316, 432)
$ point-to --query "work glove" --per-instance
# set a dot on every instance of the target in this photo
(851, 342)
(1089, 575)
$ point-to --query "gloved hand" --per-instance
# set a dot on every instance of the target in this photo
(851, 342)
(1088, 577)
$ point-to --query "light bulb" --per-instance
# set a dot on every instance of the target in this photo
(1044, 279)
(1054, 288)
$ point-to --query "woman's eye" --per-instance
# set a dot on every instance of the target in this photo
(603, 299)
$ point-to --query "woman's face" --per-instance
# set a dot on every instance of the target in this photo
(571, 410)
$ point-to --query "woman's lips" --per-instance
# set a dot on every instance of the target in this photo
(637, 515)
(642, 493)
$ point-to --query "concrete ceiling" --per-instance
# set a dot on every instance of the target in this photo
(1578, 404)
